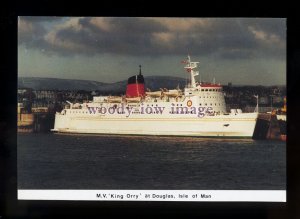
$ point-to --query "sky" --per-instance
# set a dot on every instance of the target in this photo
(243, 51)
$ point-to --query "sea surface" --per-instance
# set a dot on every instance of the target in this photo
(65, 161)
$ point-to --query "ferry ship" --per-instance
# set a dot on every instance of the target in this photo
(197, 110)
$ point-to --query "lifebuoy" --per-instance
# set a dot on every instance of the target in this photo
(189, 103)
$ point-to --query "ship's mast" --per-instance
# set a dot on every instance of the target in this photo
(190, 66)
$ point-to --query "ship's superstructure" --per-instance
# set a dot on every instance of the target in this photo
(198, 110)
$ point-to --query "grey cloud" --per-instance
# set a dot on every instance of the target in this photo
(271, 25)
(41, 18)
(30, 33)
(130, 25)
(229, 38)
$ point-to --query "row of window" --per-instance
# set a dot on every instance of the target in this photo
(209, 97)
(83, 112)
(200, 104)
(218, 90)
(181, 104)
(205, 104)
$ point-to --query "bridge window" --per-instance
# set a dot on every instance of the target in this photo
(202, 89)
(206, 89)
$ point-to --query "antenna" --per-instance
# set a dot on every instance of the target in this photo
(190, 66)
(256, 108)
(140, 69)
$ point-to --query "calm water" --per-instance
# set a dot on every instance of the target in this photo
(55, 161)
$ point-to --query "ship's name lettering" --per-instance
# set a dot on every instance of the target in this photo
(117, 196)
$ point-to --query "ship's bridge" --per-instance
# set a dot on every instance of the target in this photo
(203, 94)
(207, 95)
(202, 87)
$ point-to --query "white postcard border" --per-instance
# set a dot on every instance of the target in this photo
(156, 195)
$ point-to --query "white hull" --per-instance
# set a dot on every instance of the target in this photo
(241, 125)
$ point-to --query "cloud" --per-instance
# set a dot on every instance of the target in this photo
(41, 18)
(228, 38)
(183, 24)
(29, 32)
(266, 38)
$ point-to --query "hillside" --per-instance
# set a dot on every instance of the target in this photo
(152, 82)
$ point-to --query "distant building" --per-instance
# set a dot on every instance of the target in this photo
(21, 91)
(263, 100)
(94, 93)
(277, 99)
(45, 94)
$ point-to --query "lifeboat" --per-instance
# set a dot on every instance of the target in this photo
(154, 93)
(172, 93)
(133, 99)
(114, 99)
